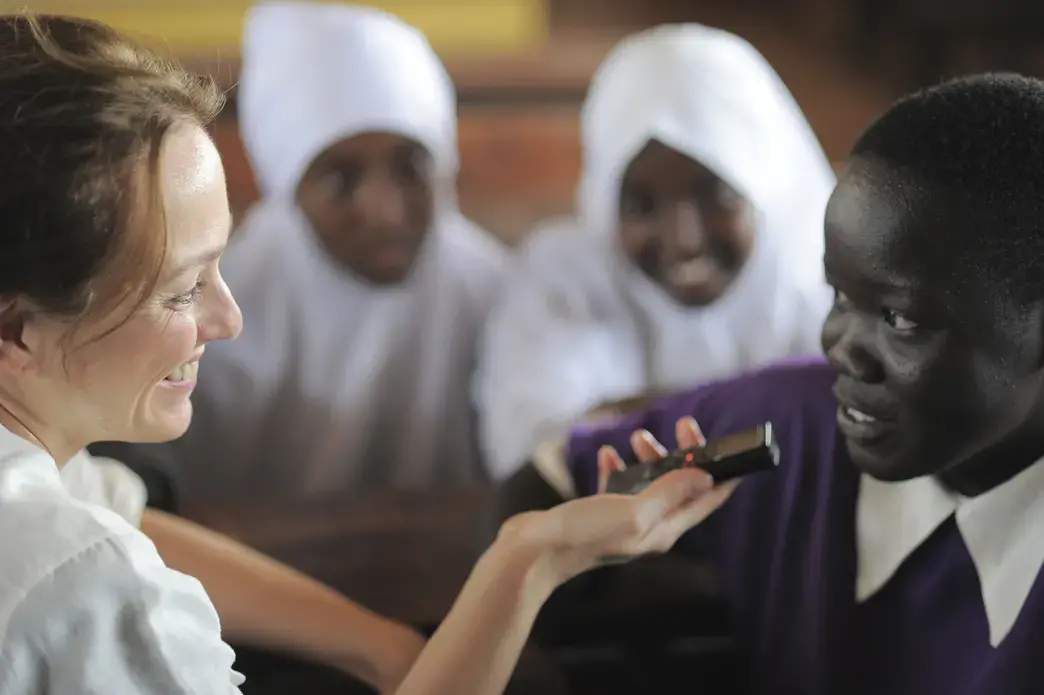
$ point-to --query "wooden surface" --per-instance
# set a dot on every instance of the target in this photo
(405, 555)
(565, 60)
(630, 630)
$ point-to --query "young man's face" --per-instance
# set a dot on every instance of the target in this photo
(935, 364)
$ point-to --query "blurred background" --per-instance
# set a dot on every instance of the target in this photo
(522, 66)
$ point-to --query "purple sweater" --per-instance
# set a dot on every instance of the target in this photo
(785, 545)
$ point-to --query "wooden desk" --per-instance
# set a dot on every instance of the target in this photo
(406, 555)
(402, 554)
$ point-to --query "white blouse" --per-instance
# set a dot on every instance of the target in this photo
(86, 604)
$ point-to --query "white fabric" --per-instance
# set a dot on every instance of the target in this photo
(105, 482)
(86, 603)
(1001, 529)
(334, 384)
(581, 325)
(314, 74)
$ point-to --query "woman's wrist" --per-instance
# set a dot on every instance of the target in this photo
(536, 545)
(476, 647)
(522, 560)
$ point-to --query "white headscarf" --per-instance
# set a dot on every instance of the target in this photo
(581, 325)
(335, 384)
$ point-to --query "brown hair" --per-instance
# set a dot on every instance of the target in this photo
(82, 108)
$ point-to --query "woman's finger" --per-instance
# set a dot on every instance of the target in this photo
(609, 462)
(685, 517)
(667, 494)
(688, 433)
(646, 447)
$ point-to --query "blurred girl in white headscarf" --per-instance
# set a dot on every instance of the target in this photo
(696, 251)
(362, 286)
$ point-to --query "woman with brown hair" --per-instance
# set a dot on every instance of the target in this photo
(115, 214)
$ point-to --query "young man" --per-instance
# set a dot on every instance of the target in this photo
(898, 548)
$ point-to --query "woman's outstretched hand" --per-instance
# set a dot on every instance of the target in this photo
(579, 535)
(475, 649)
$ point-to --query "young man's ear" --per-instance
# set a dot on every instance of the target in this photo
(15, 356)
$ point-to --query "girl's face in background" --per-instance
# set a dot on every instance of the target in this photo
(682, 226)
(369, 198)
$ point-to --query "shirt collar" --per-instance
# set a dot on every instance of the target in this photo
(1002, 530)
(23, 462)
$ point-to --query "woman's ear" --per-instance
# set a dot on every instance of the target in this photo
(15, 355)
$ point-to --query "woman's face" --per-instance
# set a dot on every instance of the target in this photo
(684, 227)
(369, 199)
(133, 382)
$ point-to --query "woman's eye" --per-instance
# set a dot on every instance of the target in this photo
(898, 321)
(188, 298)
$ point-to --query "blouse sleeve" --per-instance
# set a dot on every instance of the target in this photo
(115, 619)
